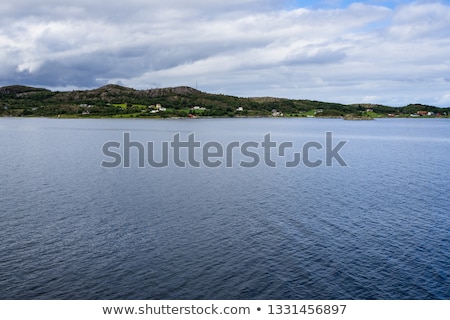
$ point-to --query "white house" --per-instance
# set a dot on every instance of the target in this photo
(198, 108)
(276, 113)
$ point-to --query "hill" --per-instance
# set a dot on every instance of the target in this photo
(118, 101)
(17, 90)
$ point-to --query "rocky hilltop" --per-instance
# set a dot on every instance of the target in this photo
(18, 90)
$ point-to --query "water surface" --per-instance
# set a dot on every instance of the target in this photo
(376, 229)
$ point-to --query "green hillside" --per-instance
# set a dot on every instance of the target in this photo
(119, 101)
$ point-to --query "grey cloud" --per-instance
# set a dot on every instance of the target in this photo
(321, 56)
(236, 47)
(56, 74)
(131, 10)
(424, 20)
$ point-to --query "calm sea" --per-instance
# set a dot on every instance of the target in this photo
(378, 228)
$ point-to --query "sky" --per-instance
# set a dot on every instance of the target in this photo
(378, 51)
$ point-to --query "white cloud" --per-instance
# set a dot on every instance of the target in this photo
(355, 54)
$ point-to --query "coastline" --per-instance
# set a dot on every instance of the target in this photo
(345, 118)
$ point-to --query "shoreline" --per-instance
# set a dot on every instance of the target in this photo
(352, 119)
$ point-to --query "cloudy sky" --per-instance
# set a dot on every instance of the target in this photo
(379, 51)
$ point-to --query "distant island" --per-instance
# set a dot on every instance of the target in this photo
(185, 102)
